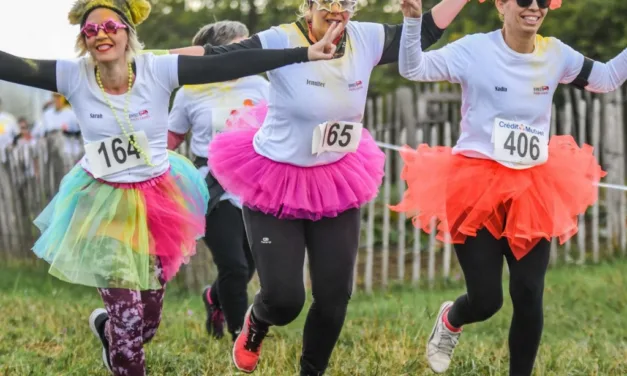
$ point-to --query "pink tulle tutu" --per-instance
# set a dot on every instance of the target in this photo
(288, 191)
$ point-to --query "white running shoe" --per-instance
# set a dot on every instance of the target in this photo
(97, 320)
(441, 343)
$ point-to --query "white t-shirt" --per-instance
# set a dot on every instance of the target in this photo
(498, 82)
(203, 109)
(303, 96)
(156, 78)
(8, 129)
(65, 119)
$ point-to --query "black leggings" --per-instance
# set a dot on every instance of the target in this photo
(226, 238)
(481, 259)
(279, 250)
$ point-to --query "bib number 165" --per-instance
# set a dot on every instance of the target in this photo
(340, 136)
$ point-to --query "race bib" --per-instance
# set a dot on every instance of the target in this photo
(219, 117)
(339, 136)
(116, 154)
(519, 143)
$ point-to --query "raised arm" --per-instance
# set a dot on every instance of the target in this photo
(35, 73)
(445, 64)
(434, 23)
(599, 77)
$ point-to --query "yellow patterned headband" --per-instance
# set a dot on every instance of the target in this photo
(134, 12)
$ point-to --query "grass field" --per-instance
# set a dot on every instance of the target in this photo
(44, 331)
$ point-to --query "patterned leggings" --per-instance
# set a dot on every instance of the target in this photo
(134, 317)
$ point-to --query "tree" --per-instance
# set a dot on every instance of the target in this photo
(594, 27)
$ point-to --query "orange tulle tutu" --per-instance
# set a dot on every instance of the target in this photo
(467, 194)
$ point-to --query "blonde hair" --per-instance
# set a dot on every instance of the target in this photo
(133, 47)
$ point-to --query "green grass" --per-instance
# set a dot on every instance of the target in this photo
(44, 331)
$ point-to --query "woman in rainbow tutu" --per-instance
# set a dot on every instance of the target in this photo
(303, 166)
(505, 190)
(128, 216)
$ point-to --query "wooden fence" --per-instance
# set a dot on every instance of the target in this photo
(392, 250)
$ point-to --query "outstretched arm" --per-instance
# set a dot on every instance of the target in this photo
(247, 44)
(446, 64)
(35, 73)
(598, 77)
(228, 66)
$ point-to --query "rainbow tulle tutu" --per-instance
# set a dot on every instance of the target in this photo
(288, 191)
(467, 194)
(112, 235)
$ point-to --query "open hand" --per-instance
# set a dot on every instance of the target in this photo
(411, 8)
(325, 49)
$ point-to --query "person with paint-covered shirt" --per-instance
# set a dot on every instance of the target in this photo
(8, 130)
(204, 110)
(303, 165)
(127, 217)
(506, 189)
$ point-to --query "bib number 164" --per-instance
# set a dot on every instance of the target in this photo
(116, 154)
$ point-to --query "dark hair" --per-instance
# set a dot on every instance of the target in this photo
(220, 33)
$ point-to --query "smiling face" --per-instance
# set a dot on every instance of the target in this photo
(106, 46)
(521, 20)
(322, 19)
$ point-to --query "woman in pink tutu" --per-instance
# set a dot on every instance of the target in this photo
(303, 166)
(505, 189)
(127, 217)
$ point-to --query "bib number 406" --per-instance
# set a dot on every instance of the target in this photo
(523, 145)
(519, 144)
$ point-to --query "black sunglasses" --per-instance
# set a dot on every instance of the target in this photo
(542, 4)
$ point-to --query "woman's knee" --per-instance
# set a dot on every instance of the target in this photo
(281, 307)
(487, 303)
(526, 292)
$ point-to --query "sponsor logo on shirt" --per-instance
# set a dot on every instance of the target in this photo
(358, 85)
(541, 90)
(521, 127)
(316, 83)
(500, 88)
(141, 115)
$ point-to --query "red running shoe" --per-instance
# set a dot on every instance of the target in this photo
(247, 346)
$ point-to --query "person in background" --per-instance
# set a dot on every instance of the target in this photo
(203, 111)
(25, 136)
(8, 129)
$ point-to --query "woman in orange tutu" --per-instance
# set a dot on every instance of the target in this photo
(504, 190)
